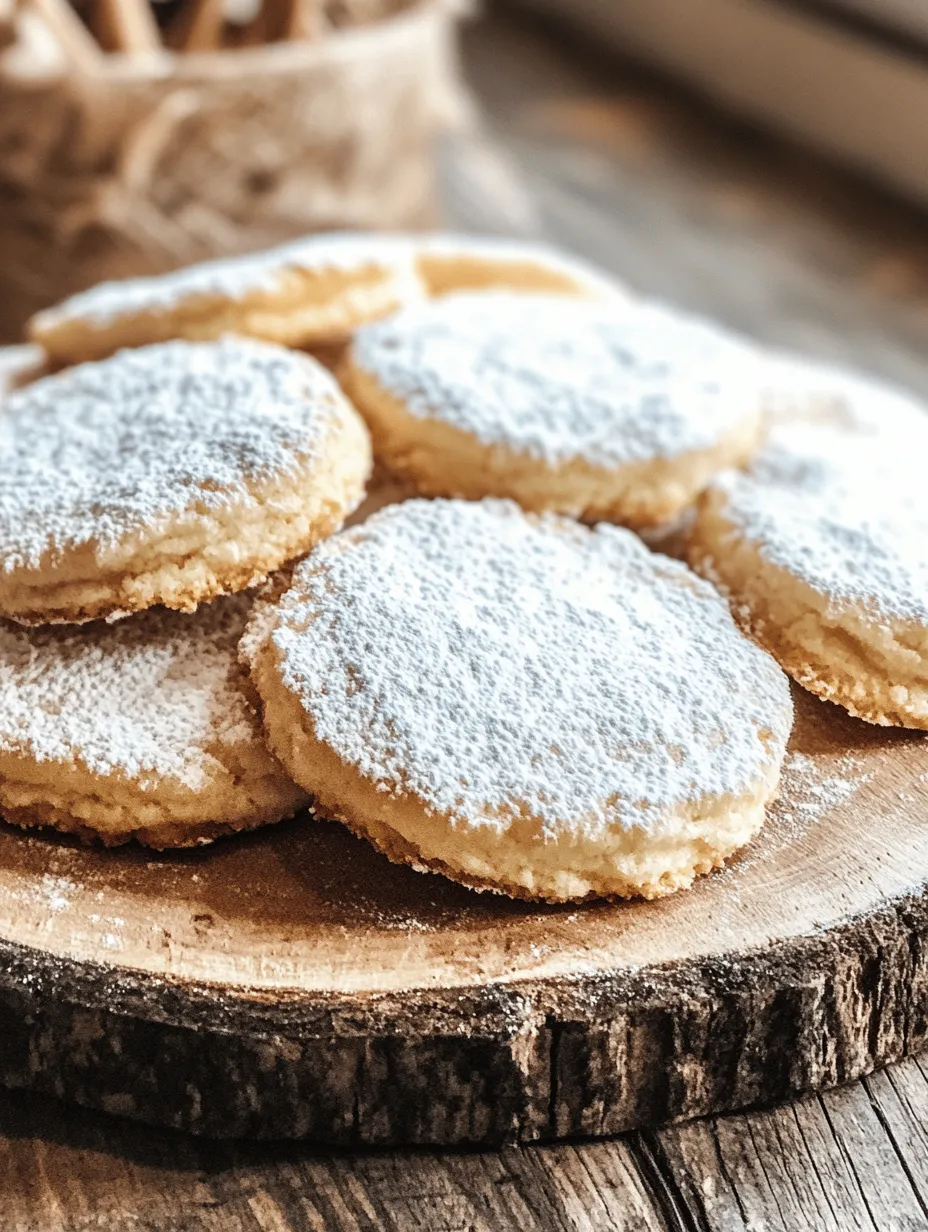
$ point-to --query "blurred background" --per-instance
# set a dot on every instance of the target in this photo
(764, 161)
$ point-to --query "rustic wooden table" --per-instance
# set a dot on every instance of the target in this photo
(684, 204)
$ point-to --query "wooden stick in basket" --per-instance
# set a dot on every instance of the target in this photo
(284, 20)
(304, 20)
(7, 28)
(127, 26)
(255, 31)
(199, 27)
(77, 44)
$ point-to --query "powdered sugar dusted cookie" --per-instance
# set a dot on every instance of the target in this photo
(449, 263)
(145, 729)
(521, 703)
(821, 544)
(309, 293)
(600, 410)
(19, 365)
(169, 474)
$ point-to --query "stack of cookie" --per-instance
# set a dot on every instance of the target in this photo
(472, 678)
(145, 486)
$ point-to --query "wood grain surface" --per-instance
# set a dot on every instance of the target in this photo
(848, 88)
(626, 171)
(293, 983)
(851, 1159)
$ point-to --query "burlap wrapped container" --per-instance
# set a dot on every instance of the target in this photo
(158, 160)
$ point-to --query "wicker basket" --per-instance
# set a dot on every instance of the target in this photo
(140, 163)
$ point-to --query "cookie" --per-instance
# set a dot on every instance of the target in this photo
(142, 730)
(169, 474)
(519, 702)
(19, 365)
(821, 544)
(600, 410)
(310, 293)
(447, 263)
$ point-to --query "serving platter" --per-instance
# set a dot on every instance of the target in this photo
(293, 983)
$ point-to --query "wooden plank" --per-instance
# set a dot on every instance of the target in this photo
(779, 1170)
(601, 1185)
(899, 1096)
(823, 1164)
(906, 16)
(882, 1176)
(61, 1171)
(536, 1190)
(852, 1159)
(787, 67)
(698, 210)
(483, 190)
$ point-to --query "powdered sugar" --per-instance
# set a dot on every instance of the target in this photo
(231, 278)
(97, 453)
(560, 378)
(159, 696)
(810, 788)
(837, 496)
(502, 667)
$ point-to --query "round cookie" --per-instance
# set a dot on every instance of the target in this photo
(146, 729)
(169, 474)
(520, 703)
(599, 410)
(310, 293)
(19, 365)
(448, 263)
(821, 543)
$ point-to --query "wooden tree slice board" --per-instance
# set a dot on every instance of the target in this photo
(293, 983)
